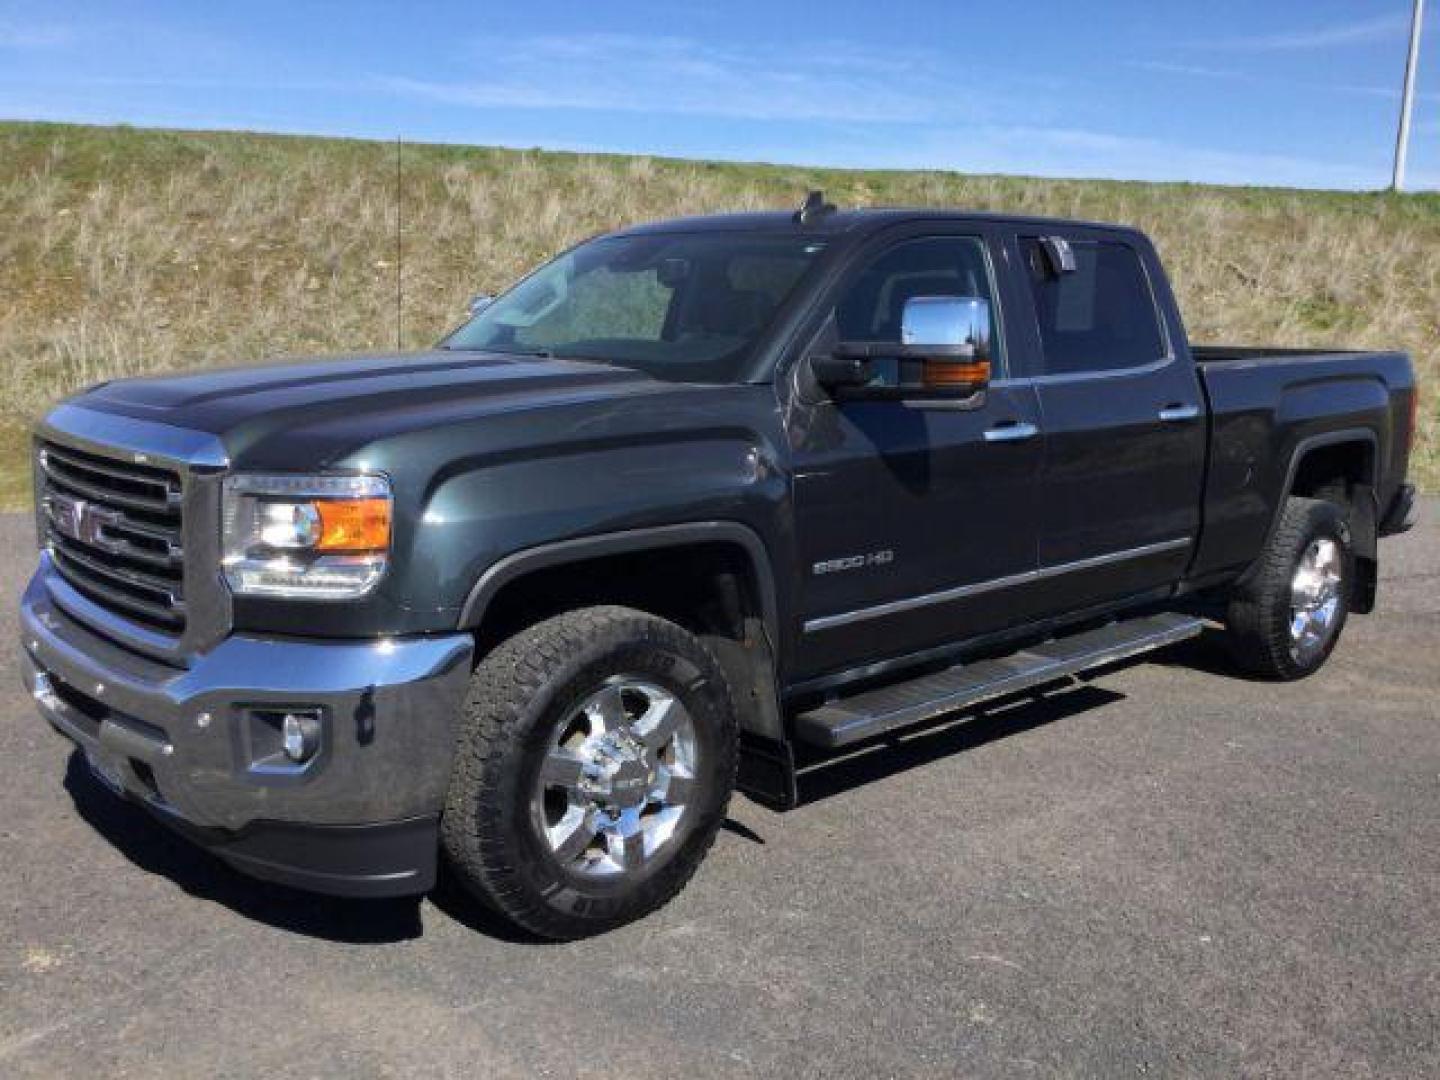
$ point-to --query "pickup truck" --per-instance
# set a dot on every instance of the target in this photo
(684, 511)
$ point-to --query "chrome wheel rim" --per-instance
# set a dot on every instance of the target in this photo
(1315, 599)
(617, 778)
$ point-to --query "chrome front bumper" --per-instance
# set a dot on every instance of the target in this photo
(175, 739)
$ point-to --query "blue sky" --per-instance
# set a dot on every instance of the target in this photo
(1294, 92)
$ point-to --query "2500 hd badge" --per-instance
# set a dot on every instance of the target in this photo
(854, 562)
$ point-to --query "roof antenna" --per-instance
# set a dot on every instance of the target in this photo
(814, 207)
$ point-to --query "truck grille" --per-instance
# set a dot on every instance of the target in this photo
(114, 529)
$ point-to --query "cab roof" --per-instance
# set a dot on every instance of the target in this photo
(852, 222)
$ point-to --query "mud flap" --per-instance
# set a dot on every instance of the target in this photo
(767, 772)
(1364, 534)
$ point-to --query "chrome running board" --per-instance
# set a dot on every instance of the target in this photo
(869, 713)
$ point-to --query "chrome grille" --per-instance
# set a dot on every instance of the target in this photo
(114, 530)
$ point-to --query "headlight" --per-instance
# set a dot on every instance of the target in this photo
(326, 537)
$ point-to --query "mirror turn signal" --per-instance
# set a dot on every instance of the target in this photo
(950, 375)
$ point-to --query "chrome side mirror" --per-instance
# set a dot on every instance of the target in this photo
(947, 322)
(944, 348)
(952, 336)
(479, 302)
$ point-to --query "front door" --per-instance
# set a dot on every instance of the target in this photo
(912, 514)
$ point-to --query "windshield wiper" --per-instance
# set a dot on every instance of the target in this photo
(533, 354)
(537, 354)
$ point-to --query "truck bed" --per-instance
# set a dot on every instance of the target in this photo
(1234, 354)
(1265, 406)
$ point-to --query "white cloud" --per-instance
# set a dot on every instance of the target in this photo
(1081, 152)
(1165, 67)
(866, 111)
(633, 73)
(831, 103)
(71, 81)
(15, 35)
(1381, 28)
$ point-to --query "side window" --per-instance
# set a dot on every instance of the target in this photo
(872, 305)
(1099, 317)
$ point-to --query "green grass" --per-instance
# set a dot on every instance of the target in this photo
(126, 251)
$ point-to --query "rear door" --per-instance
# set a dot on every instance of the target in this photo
(1123, 417)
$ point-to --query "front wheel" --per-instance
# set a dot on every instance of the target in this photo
(595, 762)
(1285, 618)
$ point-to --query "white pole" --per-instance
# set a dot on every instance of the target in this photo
(1407, 101)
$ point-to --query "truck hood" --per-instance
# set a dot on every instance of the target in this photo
(320, 409)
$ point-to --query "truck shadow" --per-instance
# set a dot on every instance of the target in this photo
(822, 776)
(451, 899)
(153, 848)
(1207, 653)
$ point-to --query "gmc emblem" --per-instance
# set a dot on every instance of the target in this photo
(83, 521)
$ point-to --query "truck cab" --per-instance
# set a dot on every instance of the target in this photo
(1071, 478)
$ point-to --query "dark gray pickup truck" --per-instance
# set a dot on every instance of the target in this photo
(686, 509)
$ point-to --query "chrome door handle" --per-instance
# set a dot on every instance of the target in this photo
(1012, 432)
(1173, 413)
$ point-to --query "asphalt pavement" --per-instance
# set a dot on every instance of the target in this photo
(1166, 871)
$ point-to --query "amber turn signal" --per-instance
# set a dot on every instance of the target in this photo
(948, 375)
(353, 525)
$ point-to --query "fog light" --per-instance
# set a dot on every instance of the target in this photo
(300, 736)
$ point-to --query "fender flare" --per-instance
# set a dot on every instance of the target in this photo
(1316, 442)
(545, 556)
(767, 764)
(1331, 438)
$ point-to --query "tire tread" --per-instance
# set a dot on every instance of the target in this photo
(498, 716)
(1257, 615)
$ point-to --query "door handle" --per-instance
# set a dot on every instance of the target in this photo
(1177, 412)
(1011, 431)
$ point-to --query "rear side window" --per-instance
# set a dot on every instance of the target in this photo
(1099, 317)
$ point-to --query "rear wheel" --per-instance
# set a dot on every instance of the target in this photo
(1285, 618)
(596, 760)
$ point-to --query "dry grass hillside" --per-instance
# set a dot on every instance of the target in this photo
(125, 251)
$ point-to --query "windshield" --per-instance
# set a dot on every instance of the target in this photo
(687, 307)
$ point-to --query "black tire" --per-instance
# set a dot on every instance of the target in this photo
(518, 697)
(1259, 615)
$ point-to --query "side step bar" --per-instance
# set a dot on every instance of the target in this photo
(873, 712)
